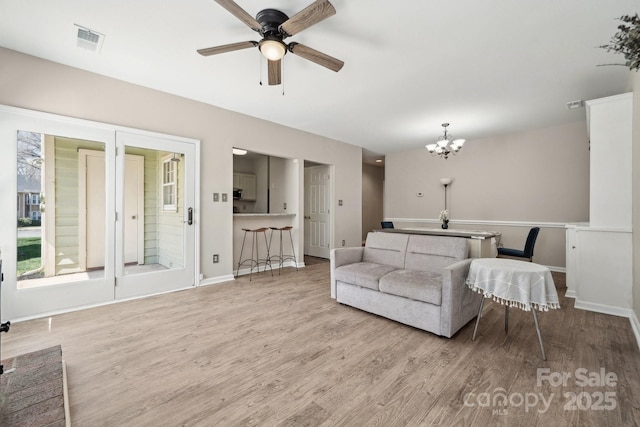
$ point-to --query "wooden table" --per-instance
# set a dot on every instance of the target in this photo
(521, 284)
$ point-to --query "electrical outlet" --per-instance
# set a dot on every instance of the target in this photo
(285, 206)
(216, 197)
(344, 243)
(216, 258)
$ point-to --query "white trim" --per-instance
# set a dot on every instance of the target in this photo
(602, 308)
(609, 99)
(526, 224)
(82, 206)
(88, 306)
(217, 280)
(571, 293)
(288, 263)
(635, 325)
(604, 229)
(48, 226)
(615, 311)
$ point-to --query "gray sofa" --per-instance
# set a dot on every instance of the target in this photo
(414, 279)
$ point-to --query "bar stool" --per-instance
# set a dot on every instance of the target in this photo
(281, 257)
(254, 262)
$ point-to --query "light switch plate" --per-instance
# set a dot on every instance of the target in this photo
(339, 202)
(224, 197)
(216, 197)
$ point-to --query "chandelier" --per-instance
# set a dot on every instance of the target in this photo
(445, 144)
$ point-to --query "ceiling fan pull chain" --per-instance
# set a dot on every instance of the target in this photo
(282, 74)
(260, 59)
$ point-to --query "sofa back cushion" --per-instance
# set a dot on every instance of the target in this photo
(386, 248)
(433, 253)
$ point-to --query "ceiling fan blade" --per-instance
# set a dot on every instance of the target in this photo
(311, 15)
(240, 13)
(226, 48)
(314, 56)
(275, 72)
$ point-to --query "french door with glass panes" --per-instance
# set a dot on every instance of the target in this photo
(117, 213)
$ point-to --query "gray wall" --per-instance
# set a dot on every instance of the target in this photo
(372, 195)
(37, 84)
(505, 183)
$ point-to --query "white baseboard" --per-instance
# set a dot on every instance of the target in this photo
(288, 263)
(570, 293)
(635, 325)
(604, 309)
(615, 311)
(216, 280)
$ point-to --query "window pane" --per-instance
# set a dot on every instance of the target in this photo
(63, 240)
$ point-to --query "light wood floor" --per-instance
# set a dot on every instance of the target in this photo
(279, 351)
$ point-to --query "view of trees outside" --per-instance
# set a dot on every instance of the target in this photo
(29, 165)
(29, 154)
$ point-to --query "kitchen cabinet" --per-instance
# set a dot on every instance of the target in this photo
(247, 183)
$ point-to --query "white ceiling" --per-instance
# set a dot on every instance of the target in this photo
(486, 66)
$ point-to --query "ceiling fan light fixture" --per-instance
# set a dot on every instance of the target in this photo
(272, 49)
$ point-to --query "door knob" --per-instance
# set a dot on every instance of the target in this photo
(133, 217)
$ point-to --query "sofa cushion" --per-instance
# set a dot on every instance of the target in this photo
(417, 285)
(386, 248)
(365, 274)
(433, 253)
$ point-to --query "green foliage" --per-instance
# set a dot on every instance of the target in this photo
(29, 254)
(627, 41)
(28, 222)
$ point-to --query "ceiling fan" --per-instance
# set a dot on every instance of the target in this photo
(274, 26)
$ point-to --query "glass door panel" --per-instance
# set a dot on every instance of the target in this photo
(155, 231)
(57, 260)
(61, 210)
(101, 214)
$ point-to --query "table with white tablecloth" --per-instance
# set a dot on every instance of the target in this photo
(520, 284)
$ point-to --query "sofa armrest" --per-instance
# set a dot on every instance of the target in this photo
(343, 256)
(458, 301)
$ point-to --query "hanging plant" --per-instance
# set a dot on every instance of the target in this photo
(627, 41)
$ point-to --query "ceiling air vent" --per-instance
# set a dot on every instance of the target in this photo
(572, 105)
(88, 39)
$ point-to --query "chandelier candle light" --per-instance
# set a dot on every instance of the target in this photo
(445, 144)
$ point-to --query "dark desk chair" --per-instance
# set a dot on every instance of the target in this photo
(386, 224)
(528, 247)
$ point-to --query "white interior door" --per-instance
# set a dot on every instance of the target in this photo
(317, 218)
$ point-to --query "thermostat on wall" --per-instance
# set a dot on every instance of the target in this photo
(419, 194)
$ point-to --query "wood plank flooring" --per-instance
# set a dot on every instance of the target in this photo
(279, 351)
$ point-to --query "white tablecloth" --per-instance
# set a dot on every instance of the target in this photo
(515, 283)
